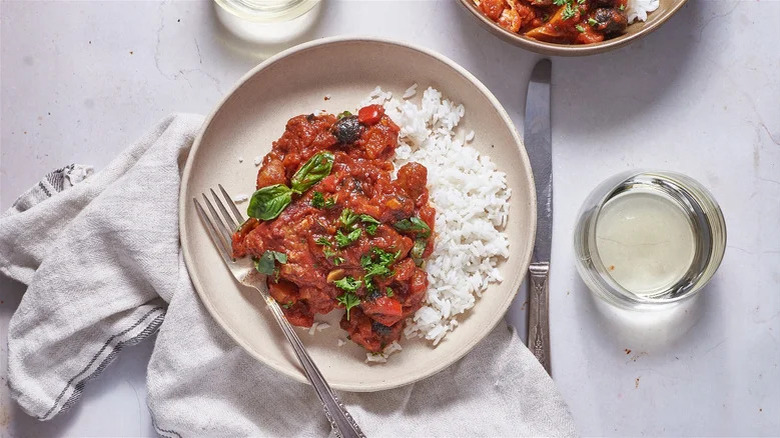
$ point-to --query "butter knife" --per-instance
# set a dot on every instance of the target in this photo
(537, 138)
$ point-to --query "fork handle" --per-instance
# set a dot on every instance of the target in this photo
(343, 424)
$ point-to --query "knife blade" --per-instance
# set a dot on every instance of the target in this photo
(538, 142)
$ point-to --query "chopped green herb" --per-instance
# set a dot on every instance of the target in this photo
(415, 225)
(568, 12)
(622, 7)
(371, 229)
(348, 218)
(385, 257)
(288, 305)
(579, 28)
(376, 269)
(417, 251)
(338, 260)
(592, 22)
(582, 2)
(323, 241)
(343, 240)
(317, 200)
(348, 283)
(267, 263)
(368, 219)
(559, 2)
(349, 300)
(328, 253)
(330, 202)
(343, 114)
(389, 292)
(377, 264)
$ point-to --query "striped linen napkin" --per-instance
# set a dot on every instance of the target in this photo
(101, 257)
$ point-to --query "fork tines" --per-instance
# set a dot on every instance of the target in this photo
(220, 231)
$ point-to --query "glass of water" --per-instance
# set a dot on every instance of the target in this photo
(268, 11)
(271, 24)
(649, 238)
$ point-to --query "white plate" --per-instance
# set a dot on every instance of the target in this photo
(254, 114)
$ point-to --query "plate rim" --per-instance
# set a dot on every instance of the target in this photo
(524, 261)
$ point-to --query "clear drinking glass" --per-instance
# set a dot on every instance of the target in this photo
(273, 24)
(267, 11)
(649, 238)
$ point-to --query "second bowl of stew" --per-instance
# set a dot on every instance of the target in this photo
(570, 27)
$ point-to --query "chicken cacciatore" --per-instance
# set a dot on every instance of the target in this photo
(331, 227)
(559, 21)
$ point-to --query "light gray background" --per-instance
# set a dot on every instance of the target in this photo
(80, 80)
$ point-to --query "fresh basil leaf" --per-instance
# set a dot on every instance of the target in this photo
(312, 171)
(414, 225)
(267, 263)
(268, 202)
(279, 256)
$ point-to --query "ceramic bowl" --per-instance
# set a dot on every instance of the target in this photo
(254, 114)
(636, 30)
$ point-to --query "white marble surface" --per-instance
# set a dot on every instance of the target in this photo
(701, 96)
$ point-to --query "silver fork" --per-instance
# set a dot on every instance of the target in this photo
(243, 269)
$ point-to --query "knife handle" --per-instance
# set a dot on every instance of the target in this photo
(539, 313)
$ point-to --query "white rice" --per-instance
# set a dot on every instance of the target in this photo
(384, 354)
(637, 10)
(471, 200)
(410, 92)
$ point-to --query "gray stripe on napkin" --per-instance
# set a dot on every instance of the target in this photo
(77, 389)
(51, 184)
(165, 433)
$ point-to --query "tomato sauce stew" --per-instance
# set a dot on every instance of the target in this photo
(559, 21)
(331, 228)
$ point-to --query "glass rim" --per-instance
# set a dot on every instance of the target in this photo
(681, 187)
(242, 10)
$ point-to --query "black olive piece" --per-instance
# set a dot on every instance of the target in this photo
(373, 295)
(347, 130)
(380, 329)
(610, 21)
(310, 118)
